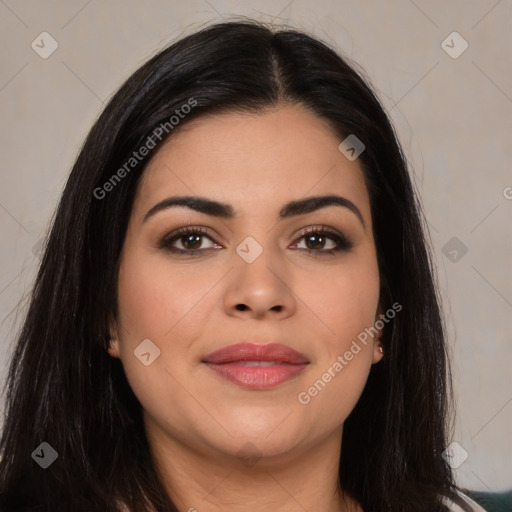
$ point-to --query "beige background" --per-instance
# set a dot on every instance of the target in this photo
(453, 115)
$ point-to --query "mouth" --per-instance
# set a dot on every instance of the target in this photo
(256, 366)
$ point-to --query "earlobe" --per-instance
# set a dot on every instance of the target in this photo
(378, 351)
(113, 348)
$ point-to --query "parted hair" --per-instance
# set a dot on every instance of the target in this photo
(64, 389)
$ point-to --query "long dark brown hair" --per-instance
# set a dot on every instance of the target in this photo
(64, 389)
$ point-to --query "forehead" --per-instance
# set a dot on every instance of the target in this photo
(253, 161)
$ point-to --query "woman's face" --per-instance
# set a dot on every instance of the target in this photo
(250, 276)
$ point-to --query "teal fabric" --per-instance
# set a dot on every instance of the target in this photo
(493, 502)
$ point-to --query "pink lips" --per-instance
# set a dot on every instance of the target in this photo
(256, 366)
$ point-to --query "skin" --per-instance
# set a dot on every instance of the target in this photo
(198, 424)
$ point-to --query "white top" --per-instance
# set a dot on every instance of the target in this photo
(455, 508)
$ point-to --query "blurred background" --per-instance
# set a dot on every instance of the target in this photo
(443, 71)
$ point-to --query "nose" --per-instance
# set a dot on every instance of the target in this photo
(259, 290)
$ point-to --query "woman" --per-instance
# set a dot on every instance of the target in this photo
(236, 308)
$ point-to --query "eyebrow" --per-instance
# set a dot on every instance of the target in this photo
(226, 211)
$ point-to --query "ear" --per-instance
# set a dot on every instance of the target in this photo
(377, 340)
(113, 348)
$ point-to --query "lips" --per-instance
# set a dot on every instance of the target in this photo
(252, 352)
(256, 366)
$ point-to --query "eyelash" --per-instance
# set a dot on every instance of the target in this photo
(343, 243)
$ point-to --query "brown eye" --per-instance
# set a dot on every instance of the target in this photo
(316, 240)
(190, 240)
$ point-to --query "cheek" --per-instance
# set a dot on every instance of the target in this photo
(159, 304)
(347, 300)
(140, 303)
(152, 299)
(344, 300)
(149, 306)
(331, 394)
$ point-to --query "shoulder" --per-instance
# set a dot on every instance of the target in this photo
(475, 507)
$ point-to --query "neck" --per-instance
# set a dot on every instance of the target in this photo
(206, 481)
